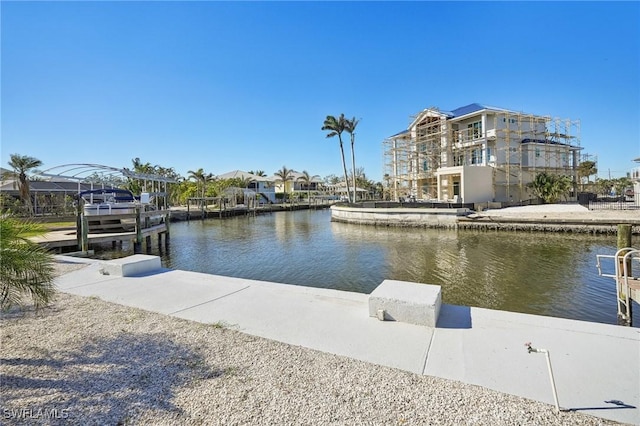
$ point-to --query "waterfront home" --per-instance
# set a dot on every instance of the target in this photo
(295, 185)
(478, 153)
(258, 184)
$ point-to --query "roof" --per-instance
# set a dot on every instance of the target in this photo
(468, 109)
(82, 172)
(404, 132)
(239, 174)
(295, 177)
(9, 185)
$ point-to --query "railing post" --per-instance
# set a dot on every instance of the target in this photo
(137, 245)
(625, 313)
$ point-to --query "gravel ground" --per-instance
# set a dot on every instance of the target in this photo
(86, 362)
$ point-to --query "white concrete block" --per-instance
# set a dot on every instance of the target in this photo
(138, 264)
(408, 302)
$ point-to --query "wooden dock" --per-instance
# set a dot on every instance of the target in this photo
(83, 237)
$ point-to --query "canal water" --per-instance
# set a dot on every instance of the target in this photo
(550, 274)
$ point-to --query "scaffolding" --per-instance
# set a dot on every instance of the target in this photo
(516, 145)
(412, 157)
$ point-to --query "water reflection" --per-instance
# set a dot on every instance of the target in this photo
(547, 274)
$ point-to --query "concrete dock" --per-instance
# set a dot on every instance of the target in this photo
(596, 366)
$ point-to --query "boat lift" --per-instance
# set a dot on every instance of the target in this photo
(627, 285)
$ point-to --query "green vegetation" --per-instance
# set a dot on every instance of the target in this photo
(617, 185)
(585, 170)
(21, 165)
(550, 188)
(26, 268)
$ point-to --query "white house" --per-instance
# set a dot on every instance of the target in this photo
(259, 184)
(478, 153)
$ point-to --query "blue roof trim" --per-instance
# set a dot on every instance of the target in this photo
(468, 109)
(399, 133)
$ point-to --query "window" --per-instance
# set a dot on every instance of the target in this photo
(458, 160)
(476, 156)
(489, 153)
(537, 152)
(474, 130)
(425, 167)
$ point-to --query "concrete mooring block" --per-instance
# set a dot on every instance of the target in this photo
(404, 301)
(137, 264)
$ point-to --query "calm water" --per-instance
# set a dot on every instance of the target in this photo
(546, 274)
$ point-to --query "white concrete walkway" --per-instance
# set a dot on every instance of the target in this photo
(596, 366)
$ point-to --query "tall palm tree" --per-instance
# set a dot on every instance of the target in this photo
(307, 179)
(23, 164)
(201, 179)
(350, 127)
(26, 268)
(284, 175)
(335, 127)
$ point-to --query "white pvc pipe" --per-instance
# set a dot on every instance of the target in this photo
(553, 382)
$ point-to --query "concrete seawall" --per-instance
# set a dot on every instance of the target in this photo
(462, 218)
(407, 217)
(400, 325)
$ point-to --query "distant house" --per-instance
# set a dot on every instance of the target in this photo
(478, 153)
(258, 184)
(294, 184)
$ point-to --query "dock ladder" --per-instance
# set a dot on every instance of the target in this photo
(627, 285)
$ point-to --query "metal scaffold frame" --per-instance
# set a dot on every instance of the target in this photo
(521, 145)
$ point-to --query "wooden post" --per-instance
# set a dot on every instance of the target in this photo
(137, 245)
(85, 234)
(167, 222)
(79, 210)
(624, 241)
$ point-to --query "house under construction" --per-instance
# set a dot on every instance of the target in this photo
(478, 153)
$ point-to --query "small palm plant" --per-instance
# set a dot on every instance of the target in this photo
(550, 187)
(26, 268)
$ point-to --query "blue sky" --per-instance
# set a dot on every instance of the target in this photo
(247, 85)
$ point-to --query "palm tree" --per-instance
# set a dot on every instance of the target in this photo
(284, 175)
(307, 180)
(586, 169)
(27, 268)
(335, 127)
(260, 173)
(550, 187)
(21, 165)
(350, 127)
(201, 179)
